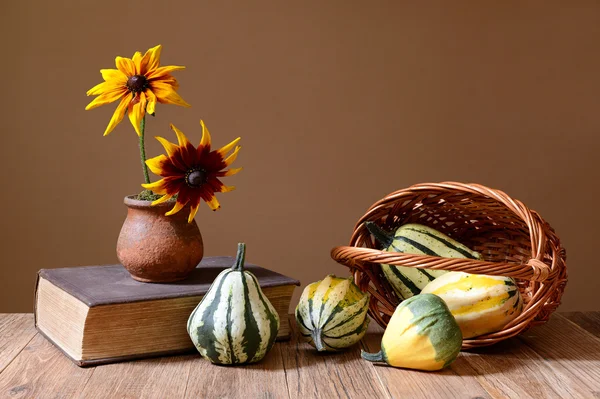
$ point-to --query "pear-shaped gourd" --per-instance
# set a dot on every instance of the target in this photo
(332, 313)
(235, 322)
(419, 240)
(422, 334)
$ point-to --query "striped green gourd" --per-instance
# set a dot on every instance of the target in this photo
(332, 313)
(419, 240)
(234, 323)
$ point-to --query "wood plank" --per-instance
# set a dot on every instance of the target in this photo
(41, 370)
(265, 379)
(328, 375)
(150, 378)
(512, 369)
(456, 381)
(567, 347)
(589, 321)
(16, 330)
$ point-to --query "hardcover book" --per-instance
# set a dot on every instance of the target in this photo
(99, 314)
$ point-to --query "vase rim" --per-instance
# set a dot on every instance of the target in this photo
(132, 202)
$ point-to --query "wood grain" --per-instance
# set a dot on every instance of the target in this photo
(265, 379)
(151, 378)
(42, 371)
(560, 359)
(589, 321)
(328, 375)
(16, 330)
(512, 369)
(568, 349)
(402, 383)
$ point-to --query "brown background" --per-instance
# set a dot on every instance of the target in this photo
(337, 102)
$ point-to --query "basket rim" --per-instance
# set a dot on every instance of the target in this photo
(535, 269)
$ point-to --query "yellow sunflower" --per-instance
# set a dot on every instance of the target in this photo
(192, 172)
(139, 82)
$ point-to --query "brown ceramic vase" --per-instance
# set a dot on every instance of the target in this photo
(155, 248)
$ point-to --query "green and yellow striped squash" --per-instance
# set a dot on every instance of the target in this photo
(419, 240)
(332, 313)
(480, 304)
(234, 323)
(422, 334)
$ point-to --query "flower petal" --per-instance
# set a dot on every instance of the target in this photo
(166, 94)
(137, 59)
(228, 172)
(155, 165)
(125, 65)
(193, 209)
(118, 114)
(101, 88)
(169, 147)
(114, 76)
(137, 112)
(163, 71)
(213, 203)
(157, 187)
(150, 108)
(106, 98)
(162, 199)
(205, 140)
(178, 206)
(229, 160)
(183, 141)
(215, 185)
(167, 80)
(151, 60)
(225, 149)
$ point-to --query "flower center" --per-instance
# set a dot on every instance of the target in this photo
(195, 177)
(137, 83)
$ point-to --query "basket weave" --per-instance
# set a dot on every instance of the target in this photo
(513, 240)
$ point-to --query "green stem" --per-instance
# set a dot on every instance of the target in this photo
(240, 258)
(143, 150)
(373, 357)
(318, 340)
(380, 234)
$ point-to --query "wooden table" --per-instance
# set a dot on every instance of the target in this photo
(560, 359)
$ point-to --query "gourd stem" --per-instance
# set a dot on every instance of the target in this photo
(316, 337)
(380, 234)
(372, 357)
(240, 258)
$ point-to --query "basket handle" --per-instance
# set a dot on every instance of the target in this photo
(354, 257)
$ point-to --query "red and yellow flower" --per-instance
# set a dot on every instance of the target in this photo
(192, 172)
(139, 83)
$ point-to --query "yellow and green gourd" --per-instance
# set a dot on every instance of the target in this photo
(481, 304)
(234, 323)
(419, 240)
(422, 334)
(332, 313)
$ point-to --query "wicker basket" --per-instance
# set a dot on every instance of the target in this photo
(513, 239)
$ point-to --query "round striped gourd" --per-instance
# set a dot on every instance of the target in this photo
(235, 322)
(420, 240)
(481, 304)
(422, 334)
(332, 313)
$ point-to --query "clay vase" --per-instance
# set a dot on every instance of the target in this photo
(155, 248)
